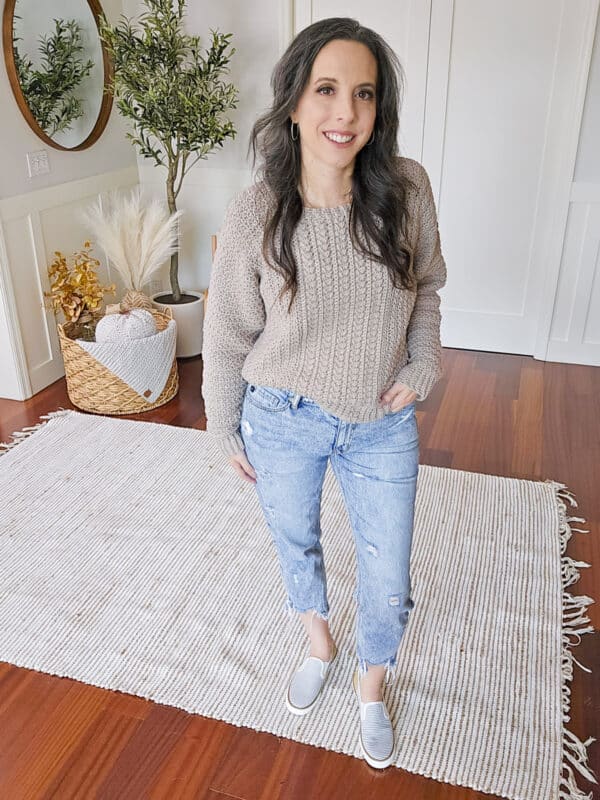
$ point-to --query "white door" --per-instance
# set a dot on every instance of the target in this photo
(492, 109)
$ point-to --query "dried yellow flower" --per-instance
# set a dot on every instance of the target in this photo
(75, 289)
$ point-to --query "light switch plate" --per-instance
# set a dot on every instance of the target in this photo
(37, 163)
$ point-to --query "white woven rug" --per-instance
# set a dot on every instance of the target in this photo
(133, 557)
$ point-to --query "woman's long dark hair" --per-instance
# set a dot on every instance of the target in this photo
(378, 187)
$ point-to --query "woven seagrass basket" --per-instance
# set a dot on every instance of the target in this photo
(92, 387)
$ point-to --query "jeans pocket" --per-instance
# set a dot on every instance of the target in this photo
(404, 413)
(268, 398)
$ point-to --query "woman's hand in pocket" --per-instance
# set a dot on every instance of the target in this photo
(243, 467)
(397, 396)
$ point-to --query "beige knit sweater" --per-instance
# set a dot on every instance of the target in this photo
(350, 334)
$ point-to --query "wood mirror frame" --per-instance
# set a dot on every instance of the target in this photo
(11, 69)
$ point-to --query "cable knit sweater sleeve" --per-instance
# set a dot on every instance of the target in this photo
(424, 367)
(235, 317)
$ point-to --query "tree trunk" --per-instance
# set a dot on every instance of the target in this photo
(173, 273)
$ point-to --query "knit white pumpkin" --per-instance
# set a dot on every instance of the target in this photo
(135, 324)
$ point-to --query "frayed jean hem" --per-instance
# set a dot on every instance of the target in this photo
(292, 610)
(390, 664)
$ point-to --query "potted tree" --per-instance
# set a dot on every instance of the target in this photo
(176, 100)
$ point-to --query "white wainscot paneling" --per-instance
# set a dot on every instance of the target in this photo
(575, 331)
(33, 227)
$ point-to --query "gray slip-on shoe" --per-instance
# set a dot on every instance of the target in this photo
(306, 683)
(376, 733)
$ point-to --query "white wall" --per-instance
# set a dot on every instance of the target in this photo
(112, 151)
(32, 231)
(258, 29)
(20, 321)
(587, 166)
(261, 29)
(260, 33)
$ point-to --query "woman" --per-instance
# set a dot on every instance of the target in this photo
(322, 329)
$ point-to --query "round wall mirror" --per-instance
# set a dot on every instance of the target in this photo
(58, 69)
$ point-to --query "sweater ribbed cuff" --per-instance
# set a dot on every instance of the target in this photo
(232, 444)
(418, 376)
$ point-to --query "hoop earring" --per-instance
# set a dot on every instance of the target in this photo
(292, 129)
(372, 139)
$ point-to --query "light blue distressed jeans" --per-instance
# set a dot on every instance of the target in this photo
(289, 439)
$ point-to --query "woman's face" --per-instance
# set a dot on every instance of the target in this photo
(338, 98)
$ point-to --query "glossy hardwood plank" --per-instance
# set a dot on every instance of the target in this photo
(501, 414)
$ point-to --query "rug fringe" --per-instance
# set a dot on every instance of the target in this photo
(572, 792)
(570, 573)
(19, 436)
(574, 625)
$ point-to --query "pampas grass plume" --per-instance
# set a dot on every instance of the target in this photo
(137, 237)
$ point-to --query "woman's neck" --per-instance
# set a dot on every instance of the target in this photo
(317, 193)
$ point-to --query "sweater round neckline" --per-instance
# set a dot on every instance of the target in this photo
(326, 208)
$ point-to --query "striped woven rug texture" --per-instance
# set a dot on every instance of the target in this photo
(132, 557)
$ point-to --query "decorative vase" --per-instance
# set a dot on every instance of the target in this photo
(190, 320)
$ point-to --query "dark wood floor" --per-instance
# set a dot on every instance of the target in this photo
(502, 414)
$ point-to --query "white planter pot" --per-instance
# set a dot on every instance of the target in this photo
(190, 321)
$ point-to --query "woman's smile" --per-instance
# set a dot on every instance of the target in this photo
(338, 140)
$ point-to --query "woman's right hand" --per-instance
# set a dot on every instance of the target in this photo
(243, 467)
